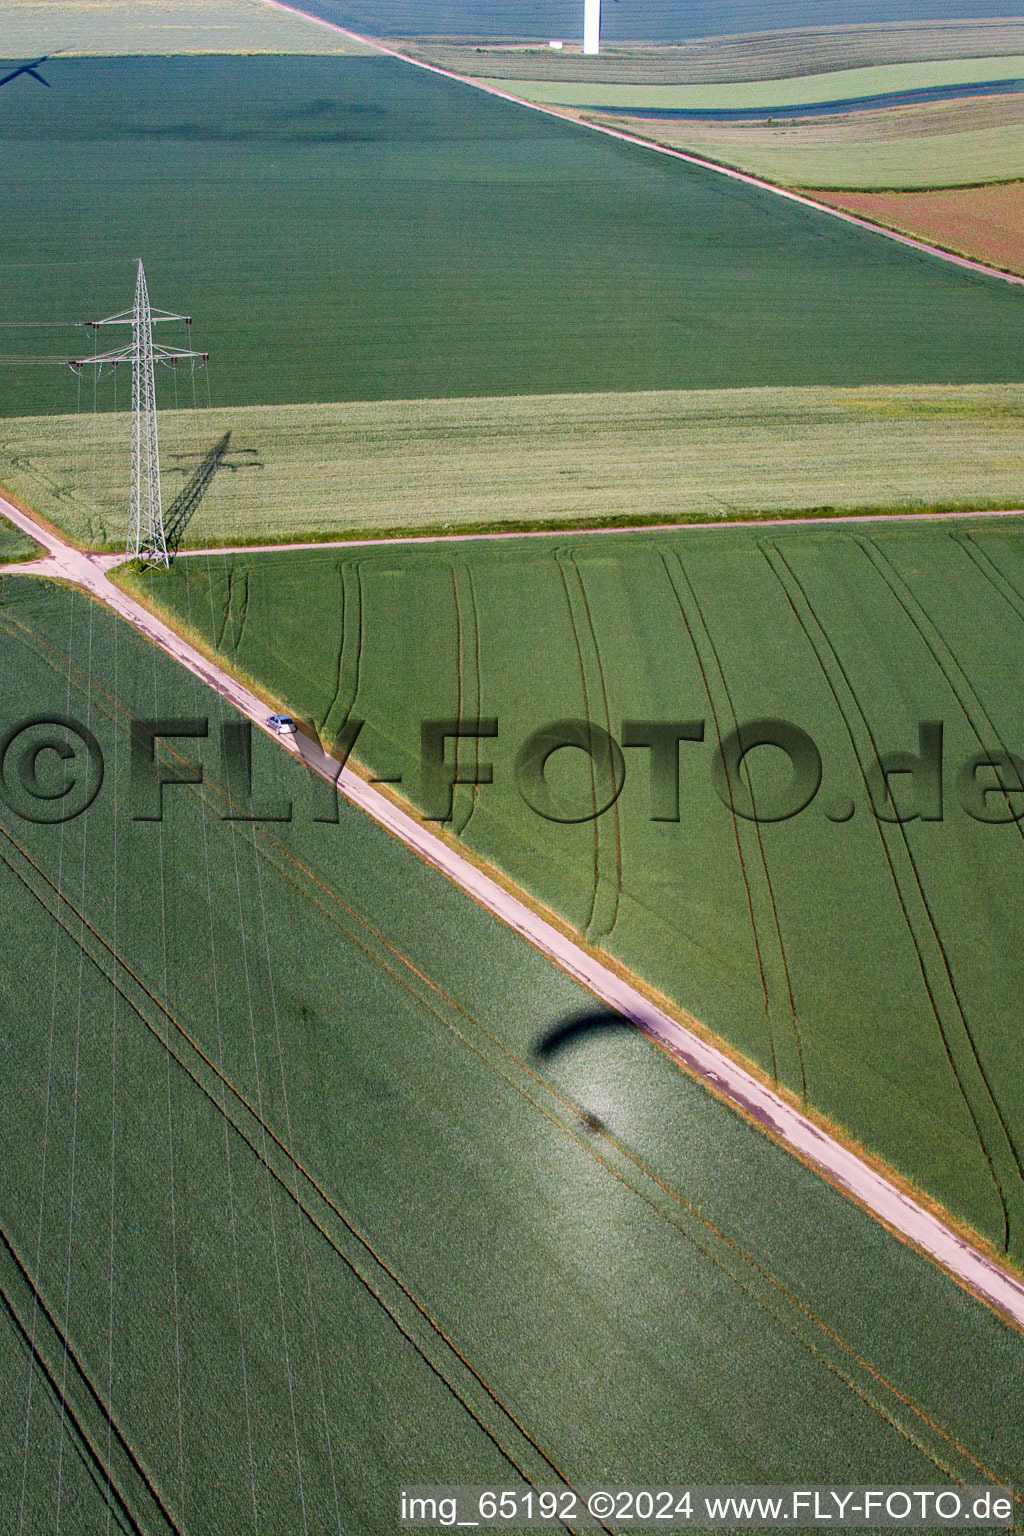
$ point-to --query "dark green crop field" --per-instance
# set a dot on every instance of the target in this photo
(869, 966)
(294, 1211)
(356, 229)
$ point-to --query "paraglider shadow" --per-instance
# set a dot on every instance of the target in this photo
(568, 1031)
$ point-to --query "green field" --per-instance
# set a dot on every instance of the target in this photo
(353, 229)
(836, 85)
(15, 545)
(285, 473)
(941, 144)
(869, 968)
(298, 1206)
(115, 27)
(935, 144)
(296, 1215)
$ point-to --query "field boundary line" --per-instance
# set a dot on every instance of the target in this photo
(847, 1169)
(662, 149)
(107, 562)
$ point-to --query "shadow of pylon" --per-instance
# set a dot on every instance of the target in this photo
(184, 506)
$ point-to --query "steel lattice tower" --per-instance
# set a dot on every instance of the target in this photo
(147, 540)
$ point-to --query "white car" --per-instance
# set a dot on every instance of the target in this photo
(284, 725)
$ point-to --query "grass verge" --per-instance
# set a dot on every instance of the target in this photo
(15, 545)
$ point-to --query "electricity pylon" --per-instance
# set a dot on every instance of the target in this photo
(147, 540)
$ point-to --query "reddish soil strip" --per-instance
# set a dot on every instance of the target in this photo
(986, 223)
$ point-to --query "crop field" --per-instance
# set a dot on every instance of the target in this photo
(888, 137)
(756, 56)
(318, 1181)
(259, 1198)
(983, 222)
(384, 234)
(908, 1036)
(115, 27)
(657, 21)
(274, 474)
(840, 85)
(939, 144)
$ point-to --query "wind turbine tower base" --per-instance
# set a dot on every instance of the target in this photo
(592, 26)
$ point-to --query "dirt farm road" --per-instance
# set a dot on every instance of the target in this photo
(839, 1164)
(107, 562)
